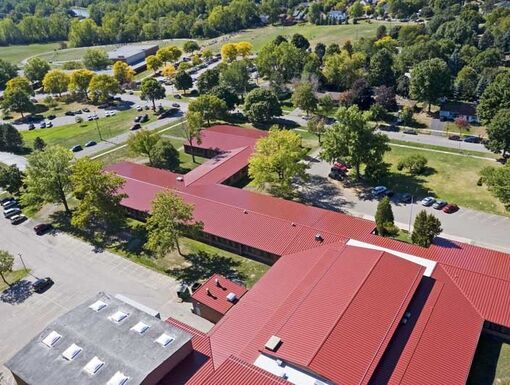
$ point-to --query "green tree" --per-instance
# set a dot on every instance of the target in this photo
(17, 100)
(96, 59)
(426, 228)
(152, 90)
(356, 10)
(497, 180)
(299, 41)
(466, 83)
(280, 63)
(341, 70)
(10, 138)
(122, 72)
(207, 80)
(225, 94)
(277, 162)
(102, 87)
(384, 220)
(407, 115)
(48, 177)
(153, 62)
(6, 263)
(261, 105)
(192, 129)
(498, 132)
(144, 142)
(210, 106)
(170, 219)
(79, 81)
(183, 81)
(165, 155)
(39, 144)
(169, 54)
(352, 139)
(56, 82)
(36, 68)
(416, 164)
(8, 71)
(495, 97)
(83, 33)
(327, 105)
(316, 126)
(430, 80)
(99, 197)
(11, 179)
(190, 46)
(380, 71)
(304, 97)
(236, 76)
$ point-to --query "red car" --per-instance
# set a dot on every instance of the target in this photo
(341, 166)
(450, 208)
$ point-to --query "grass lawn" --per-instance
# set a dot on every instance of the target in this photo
(13, 277)
(71, 134)
(17, 53)
(449, 177)
(448, 149)
(491, 364)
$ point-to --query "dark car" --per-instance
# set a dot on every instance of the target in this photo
(336, 175)
(410, 132)
(136, 126)
(176, 105)
(472, 139)
(450, 208)
(31, 126)
(51, 117)
(3, 201)
(76, 148)
(177, 96)
(406, 198)
(145, 118)
(389, 193)
(90, 144)
(42, 125)
(137, 118)
(77, 112)
(454, 137)
(168, 113)
(42, 228)
(69, 113)
(42, 284)
(86, 109)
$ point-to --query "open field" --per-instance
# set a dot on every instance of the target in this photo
(17, 53)
(449, 177)
(70, 134)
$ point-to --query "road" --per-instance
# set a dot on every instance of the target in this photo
(10, 159)
(466, 225)
(79, 273)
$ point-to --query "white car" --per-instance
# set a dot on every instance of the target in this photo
(109, 113)
(90, 117)
(428, 201)
(378, 190)
(139, 108)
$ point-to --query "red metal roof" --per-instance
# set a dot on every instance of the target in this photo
(225, 137)
(213, 293)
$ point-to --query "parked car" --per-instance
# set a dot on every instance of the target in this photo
(176, 105)
(69, 113)
(139, 108)
(49, 124)
(341, 166)
(168, 113)
(42, 125)
(428, 201)
(177, 96)
(109, 113)
(454, 137)
(450, 208)
(78, 112)
(137, 118)
(10, 204)
(3, 201)
(145, 118)
(42, 284)
(410, 132)
(389, 193)
(51, 117)
(406, 198)
(130, 92)
(76, 148)
(17, 219)
(336, 175)
(31, 126)
(136, 126)
(42, 228)
(90, 118)
(86, 109)
(472, 139)
(378, 190)
(439, 204)
(90, 144)
(12, 212)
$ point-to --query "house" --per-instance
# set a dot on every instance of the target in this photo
(81, 13)
(215, 297)
(453, 110)
(102, 341)
(337, 16)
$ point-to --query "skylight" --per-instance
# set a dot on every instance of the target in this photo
(98, 305)
(118, 379)
(71, 352)
(140, 327)
(51, 339)
(118, 316)
(93, 365)
(164, 340)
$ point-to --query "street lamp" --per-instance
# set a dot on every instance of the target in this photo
(98, 130)
(22, 262)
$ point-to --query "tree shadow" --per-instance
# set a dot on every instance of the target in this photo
(17, 293)
(445, 243)
(320, 192)
(202, 265)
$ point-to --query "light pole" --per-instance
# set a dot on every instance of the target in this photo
(98, 130)
(22, 262)
(411, 213)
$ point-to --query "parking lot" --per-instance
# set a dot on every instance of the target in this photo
(468, 225)
(78, 273)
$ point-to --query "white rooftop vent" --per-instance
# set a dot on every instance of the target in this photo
(51, 339)
(140, 327)
(231, 297)
(118, 316)
(164, 340)
(273, 343)
(180, 178)
(98, 305)
(71, 352)
(93, 365)
(118, 379)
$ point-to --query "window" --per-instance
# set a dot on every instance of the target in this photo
(140, 327)
(51, 339)
(164, 340)
(71, 352)
(118, 316)
(93, 365)
(98, 306)
(118, 379)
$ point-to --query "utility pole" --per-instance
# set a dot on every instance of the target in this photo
(98, 130)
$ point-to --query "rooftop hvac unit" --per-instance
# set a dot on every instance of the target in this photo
(180, 178)
(231, 297)
(273, 343)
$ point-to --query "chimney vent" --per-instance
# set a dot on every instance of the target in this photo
(180, 178)
(318, 237)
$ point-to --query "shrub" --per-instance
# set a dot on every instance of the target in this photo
(415, 164)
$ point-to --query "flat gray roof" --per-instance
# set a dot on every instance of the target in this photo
(129, 50)
(120, 348)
